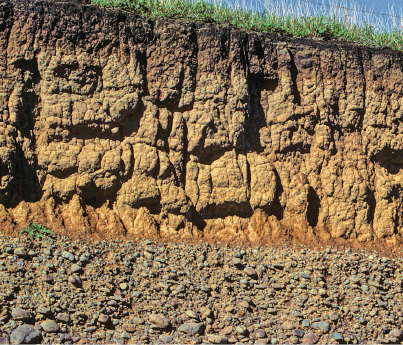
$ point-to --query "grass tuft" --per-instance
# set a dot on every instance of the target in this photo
(296, 19)
(38, 230)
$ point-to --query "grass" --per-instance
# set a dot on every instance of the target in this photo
(294, 18)
(38, 230)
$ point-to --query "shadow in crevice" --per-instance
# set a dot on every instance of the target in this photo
(229, 208)
(212, 157)
(393, 195)
(372, 205)
(6, 23)
(389, 159)
(294, 74)
(97, 202)
(277, 209)
(197, 219)
(313, 207)
(28, 109)
(397, 221)
(153, 204)
(193, 70)
(256, 115)
(26, 185)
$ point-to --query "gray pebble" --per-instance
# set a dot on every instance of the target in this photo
(75, 280)
(21, 252)
(192, 328)
(241, 330)
(322, 325)
(138, 320)
(65, 337)
(236, 261)
(125, 335)
(250, 272)
(43, 310)
(21, 314)
(160, 321)
(25, 334)
(68, 256)
(63, 317)
(397, 333)
(75, 268)
(217, 339)
(49, 326)
(165, 338)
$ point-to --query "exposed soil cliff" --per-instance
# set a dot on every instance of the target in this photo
(113, 124)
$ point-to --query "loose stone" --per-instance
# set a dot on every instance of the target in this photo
(192, 328)
(241, 330)
(322, 325)
(102, 318)
(310, 338)
(338, 337)
(166, 338)
(236, 261)
(21, 252)
(75, 268)
(250, 272)
(75, 280)
(288, 325)
(217, 339)
(21, 314)
(160, 321)
(63, 317)
(25, 334)
(50, 326)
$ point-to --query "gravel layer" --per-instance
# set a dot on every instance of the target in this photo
(144, 291)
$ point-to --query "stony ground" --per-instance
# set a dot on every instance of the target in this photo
(143, 291)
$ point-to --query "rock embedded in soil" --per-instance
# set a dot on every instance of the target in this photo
(250, 272)
(21, 314)
(50, 326)
(102, 318)
(75, 280)
(310, 338)
(21, 252)
(129, 327)
(217, 339)
(160, 321)
(25, 334)
(322, 325)
(192, 328)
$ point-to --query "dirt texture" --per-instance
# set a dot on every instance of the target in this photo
(117, 125)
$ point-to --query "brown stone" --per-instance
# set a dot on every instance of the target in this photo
(310, 338)
(160, 321)
(217, 339)
(249, 271)
(21, 314)
(288, 325)
(129, 327)
(226, 331)
(103, 318)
